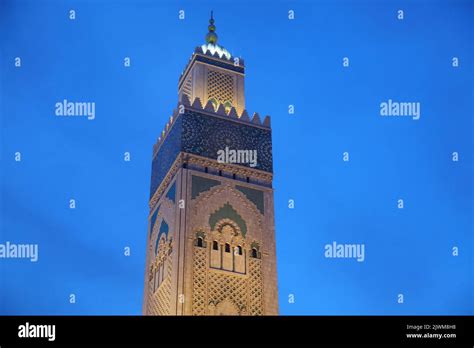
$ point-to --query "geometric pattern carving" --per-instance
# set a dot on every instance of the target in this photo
(255, 287)
(159, 278)
(160, 301)
(212, 288)
(220, 86)
(230, 287)
(200, 281)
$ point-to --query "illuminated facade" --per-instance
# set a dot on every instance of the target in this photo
(211, 234)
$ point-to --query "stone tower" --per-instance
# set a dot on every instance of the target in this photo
(211, 235)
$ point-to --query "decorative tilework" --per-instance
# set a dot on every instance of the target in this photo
(201, 184)
(203, 135)
(166, 155)
(256, 196)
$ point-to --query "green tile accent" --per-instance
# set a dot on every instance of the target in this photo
(164, 228)
(201, 184)
(255, 196)
(153, 220)
(227, 212)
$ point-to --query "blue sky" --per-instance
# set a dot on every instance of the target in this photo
(299, 62)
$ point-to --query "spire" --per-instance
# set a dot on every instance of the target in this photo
(211, 45)
(211, 37)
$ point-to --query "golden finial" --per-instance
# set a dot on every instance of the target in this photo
(211, 37)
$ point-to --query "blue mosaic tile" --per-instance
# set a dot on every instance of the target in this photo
(204, 135)
(166, 155)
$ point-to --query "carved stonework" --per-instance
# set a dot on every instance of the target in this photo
(218, 290)
(159, 283)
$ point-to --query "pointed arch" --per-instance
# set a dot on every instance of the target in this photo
(228, 212)
(164, 229)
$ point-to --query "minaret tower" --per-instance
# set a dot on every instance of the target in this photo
(211, 235)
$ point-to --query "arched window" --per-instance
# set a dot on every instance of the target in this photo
(254, 253)
(227, 247)
(215, 246)
(239, 250)
(199, 242)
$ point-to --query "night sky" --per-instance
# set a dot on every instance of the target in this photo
(296, 62)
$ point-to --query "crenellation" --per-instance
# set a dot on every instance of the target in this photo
(245, 116)
(221, 110)
(197, 103)
(209, 108)
(233, 113)
(266, 121)
(256, 118)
